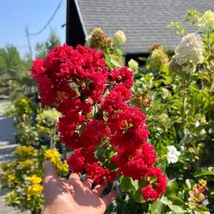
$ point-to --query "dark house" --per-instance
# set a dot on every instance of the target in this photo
(143, 21)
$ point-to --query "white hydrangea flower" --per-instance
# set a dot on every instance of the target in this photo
(206, 22)
(172, 154)
(120, 37)
(133, 65)
(189, 50)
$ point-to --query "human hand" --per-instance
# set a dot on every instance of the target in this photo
(72, 196)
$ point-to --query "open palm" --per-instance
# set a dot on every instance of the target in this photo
(73, 196)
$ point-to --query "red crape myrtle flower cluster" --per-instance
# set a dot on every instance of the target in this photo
(107, 137)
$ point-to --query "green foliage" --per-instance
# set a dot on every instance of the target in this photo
(44, 47)
(27, 134)
(10, 58)
(178, 102)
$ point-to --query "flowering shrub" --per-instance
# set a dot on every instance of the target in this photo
(108, 137)
(178, 101)
(47, 124)
(23, 177)
(21, 108)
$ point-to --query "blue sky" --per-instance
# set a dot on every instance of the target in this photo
(15, 14)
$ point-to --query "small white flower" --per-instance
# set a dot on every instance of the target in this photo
(210, 131)
(172, 154)
(197, 124)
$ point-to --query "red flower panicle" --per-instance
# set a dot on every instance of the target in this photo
(108, 138)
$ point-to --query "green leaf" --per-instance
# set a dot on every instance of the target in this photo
(189, 183)
(115, 63)
(157, 83)
(174, 185)
(157, 207)
(177, 209)
(165, 200)
(203, 172)
(127, 184)
(176, 200)
(162, 165)
(169, 191)
(119, 52)
(205, 94)
(142, 183)
(137, 196)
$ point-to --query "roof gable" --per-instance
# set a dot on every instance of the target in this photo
(143, 21)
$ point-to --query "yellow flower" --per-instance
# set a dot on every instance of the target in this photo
(203, 182)
(26, 163)
(25, 151)
(34, 179)
(62, 167)
(65, 167)
(23, 100)
(52, 155)
(11, 177)
(35, 189)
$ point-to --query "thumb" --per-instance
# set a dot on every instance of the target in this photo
(50, 173)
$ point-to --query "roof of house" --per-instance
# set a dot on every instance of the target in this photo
(143, 21)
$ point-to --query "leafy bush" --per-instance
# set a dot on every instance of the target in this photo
(177, 98)
(23, 177)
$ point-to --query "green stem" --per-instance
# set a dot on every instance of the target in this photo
(183, 88)
(210, 79)
(209, 99)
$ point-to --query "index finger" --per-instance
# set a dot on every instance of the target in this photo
(75, 176)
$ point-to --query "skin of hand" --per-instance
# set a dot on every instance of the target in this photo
(73, 196)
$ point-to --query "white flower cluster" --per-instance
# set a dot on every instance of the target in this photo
(133, 65)
(190, 50)
(172, 154)
(206, 22)
(120, 37)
